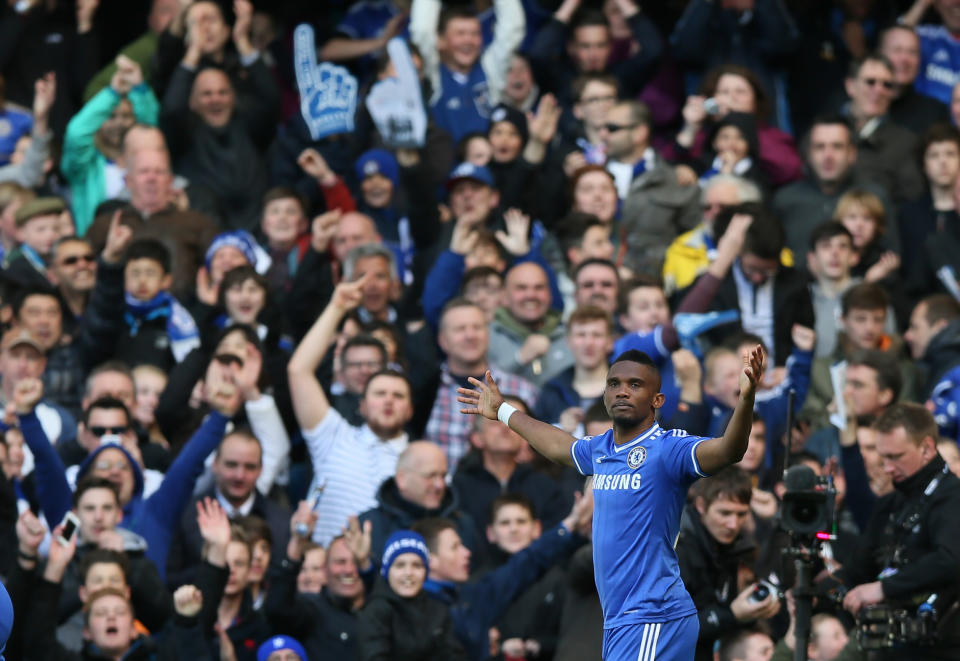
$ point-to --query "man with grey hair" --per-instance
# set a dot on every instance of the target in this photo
(655, 207)
(692, 252)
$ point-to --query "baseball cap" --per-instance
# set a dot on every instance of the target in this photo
(279, 643)
(17, 336)
(470, 171)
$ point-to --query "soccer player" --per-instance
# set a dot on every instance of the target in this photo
(641, 474)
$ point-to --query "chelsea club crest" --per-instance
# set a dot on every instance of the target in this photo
(636, 457)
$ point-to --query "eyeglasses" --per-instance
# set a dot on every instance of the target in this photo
(103, 431)
(613, 128)
(89, 258)
(873, 82)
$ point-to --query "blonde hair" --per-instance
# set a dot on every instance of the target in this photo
(867, 201)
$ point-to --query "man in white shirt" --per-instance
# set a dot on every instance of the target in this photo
(349, 462)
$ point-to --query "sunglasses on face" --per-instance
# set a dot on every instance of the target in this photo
(73, 259)
(873, 82)
(103, 431)
(613, 128)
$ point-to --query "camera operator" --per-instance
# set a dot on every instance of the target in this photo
(910, 549)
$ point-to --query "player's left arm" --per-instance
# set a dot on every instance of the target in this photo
(717, 453)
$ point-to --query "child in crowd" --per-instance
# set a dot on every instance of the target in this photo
(862, 214)
(378, 176)
(476, 149)
(400, 621)
(38, 227)
(12, 197)
(828, 637)
(284, 224)
(160, 331)
(313, 571)
(483, 285)
(227, 251)
(734, 149)
(149, 382)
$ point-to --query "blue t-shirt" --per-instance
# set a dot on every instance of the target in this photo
(639, 490)
(939, 62)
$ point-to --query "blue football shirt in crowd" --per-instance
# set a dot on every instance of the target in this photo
(939, 62)
(639, 490)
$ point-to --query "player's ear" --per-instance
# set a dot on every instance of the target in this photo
(658, 400)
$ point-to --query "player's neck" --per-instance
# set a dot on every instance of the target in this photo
(624, 434)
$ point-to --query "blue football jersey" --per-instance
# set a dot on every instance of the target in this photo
(939, 62)
(639, 491)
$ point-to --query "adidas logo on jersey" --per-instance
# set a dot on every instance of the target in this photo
(941, 55)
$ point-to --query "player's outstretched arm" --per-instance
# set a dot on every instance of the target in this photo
(485, 400)
(717, 453)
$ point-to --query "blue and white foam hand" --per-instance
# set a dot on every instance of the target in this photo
(328, 93)
(396, 104)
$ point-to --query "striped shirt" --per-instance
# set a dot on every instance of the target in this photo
(349, 464)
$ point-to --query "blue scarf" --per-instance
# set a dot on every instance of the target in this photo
(181, 328)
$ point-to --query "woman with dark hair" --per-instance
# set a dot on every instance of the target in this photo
(733, 88)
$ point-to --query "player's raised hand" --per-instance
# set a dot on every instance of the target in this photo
(752, 372)
(483, 400)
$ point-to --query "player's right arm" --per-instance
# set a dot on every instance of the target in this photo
(310, 404)
(485, 400)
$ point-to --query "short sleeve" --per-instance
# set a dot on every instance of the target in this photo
(327, 433)
(582, 454)
(680, 456)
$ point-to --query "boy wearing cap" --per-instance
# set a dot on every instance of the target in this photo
(37, 229)
(400, 621)
(160, 330)
(378, 176)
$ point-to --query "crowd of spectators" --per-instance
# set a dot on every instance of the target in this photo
(231, 344)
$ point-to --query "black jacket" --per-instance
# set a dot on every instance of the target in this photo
(393, 512)
(929, 548)
(942, 354)
(187, 543)
(326, 625)
(791, 305)
(394, 628)
(709, 572)
(478, 488)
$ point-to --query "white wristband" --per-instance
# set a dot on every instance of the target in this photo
(504, 413)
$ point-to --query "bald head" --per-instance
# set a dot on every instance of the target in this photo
(140, 137)
(527, 293)
(421, 474)
(355, 229)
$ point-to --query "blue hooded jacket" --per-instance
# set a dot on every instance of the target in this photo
(154, 518)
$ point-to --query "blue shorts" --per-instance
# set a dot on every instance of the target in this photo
(675, 640)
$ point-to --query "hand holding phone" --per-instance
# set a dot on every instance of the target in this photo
(69, 530)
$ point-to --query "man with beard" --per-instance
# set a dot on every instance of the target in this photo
(349, 462)
(641, 474)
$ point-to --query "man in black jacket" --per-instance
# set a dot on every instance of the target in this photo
(326, 622)
(912, 541)
(712, 550)
(235, 469)
(418, 491)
